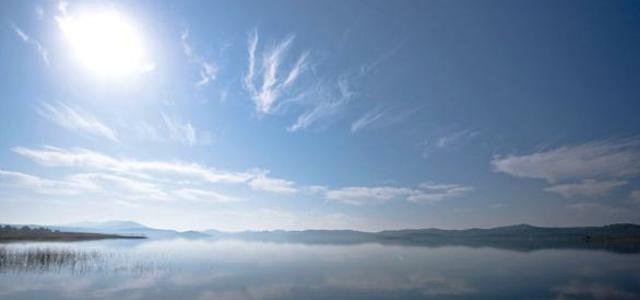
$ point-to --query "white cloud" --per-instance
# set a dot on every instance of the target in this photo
(328, 101)
(147, 132)
(455, 138)
(42, 185)
(208, 69)
(44, 54)
(590, 169)
(124, 187)
(184, 132)
(203, 196)
(111, 186)
(39, 12)
(277, 185)
(448, 140)
(76, 119)
(379, 117)
(266, 93)
(158, 179)
(90, 160)
(367, 119)
(424, 194)
(367, 195)
(587, 187)
(438, 193)
(610, 159)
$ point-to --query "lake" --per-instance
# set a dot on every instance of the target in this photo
(233, 269)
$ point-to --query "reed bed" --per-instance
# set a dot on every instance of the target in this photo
(53, 259)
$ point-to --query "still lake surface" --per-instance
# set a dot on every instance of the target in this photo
(232, 269)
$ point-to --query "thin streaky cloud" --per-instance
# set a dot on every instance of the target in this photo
(455, 137)
(587, 187)
(95, 162)
(143, 176)
(252, 46)
(423, 194)
(619, 158)
(76, 119)
(184, 132)
(329, 100)
(379, 117)
(11, 179)
(273, 86)
(201, 195)
(367, 119)
(277, 185)
(111, 186)
(208, 69)
(44, 54)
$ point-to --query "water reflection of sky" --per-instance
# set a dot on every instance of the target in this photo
(201, 269)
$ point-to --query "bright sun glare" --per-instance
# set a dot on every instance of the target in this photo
(106, 43)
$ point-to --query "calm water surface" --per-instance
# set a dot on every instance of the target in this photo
(204, 269)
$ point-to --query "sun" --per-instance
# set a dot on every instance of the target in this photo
(105, 42)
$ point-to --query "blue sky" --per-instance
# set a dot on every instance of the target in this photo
(299, 114)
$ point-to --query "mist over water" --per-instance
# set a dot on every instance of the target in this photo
(232, 269)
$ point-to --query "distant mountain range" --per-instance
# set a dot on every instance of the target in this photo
(617, 237)
(128, 228)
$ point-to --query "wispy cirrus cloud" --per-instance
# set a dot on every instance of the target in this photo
(171, 129)
(367, 119)
(277, 185)
(328, 100)
(450, 139)
(456, 137)
(90, 160)
(111, 186)
(204, 196)
(42, 51)
(264, 80)
(176, 180)
(42, 185)
(586, 187)
(83, 159)
(379, 117)
(611, 158)
(76, 119)
(589, 169)
(208, 69)
(182, 132)
(423, 194)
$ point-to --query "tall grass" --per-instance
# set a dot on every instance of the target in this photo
(53, 259)
(47, 260)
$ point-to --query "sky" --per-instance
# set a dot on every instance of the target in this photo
(368, 115)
